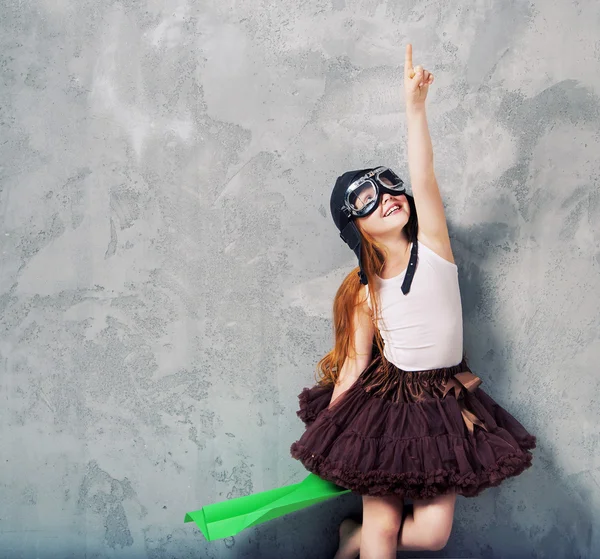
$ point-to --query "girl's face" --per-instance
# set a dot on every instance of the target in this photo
(381, 222)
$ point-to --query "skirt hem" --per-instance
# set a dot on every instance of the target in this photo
(414, 484)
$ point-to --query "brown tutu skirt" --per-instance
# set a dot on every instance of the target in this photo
(421, 434)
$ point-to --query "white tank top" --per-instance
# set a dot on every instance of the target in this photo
(423, 329)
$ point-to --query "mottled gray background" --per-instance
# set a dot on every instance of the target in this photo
(169, 262)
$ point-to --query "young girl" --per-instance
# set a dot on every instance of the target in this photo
(397, 412)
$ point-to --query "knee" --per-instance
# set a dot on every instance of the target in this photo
(382, 528)
(438, 540)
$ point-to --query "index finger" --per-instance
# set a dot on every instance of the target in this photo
(408, 66)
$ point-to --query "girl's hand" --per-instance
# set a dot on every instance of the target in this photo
(416, 81)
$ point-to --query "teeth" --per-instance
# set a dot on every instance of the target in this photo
(392, 210)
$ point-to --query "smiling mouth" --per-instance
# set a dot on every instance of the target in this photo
(394, 210)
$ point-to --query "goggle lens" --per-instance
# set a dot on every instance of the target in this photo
(391, 180)
(362, 197)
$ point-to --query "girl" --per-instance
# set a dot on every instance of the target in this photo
(397, 412)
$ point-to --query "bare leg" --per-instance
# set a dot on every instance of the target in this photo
(381, 522)
(429, 527)
(349, 539)
(426, 529)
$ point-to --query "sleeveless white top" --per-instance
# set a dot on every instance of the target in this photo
(423, 329)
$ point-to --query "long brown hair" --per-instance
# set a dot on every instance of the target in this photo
(347, 297)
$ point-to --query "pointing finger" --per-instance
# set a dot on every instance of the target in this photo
(408, 67)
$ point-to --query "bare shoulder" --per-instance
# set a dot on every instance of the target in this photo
(441, 246)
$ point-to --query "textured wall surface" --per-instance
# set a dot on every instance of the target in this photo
(169, 262)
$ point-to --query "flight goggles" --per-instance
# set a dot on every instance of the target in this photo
(362, 195)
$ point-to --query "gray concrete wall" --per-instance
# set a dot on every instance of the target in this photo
(169, 262)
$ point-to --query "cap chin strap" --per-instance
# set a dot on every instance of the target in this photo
(351, 237)
(410, 271)
(361, 274)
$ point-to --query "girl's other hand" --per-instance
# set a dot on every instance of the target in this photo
(416, 81)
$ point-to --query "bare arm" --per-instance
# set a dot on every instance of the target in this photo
(428, 200)
(364, 330)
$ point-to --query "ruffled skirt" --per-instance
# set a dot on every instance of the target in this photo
(419, 435)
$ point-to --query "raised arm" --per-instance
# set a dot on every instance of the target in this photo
(433, 229)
